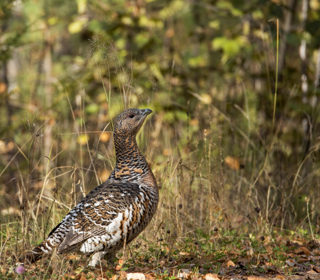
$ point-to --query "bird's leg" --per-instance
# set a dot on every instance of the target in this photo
(96, 258)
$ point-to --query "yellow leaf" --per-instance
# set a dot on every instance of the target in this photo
(167, 152)
(76, 26)
(210, 276)
(83, 139)
(3, 87)
(105, 136)
(206, 98)
(105, 175)
(82, 4)
(194, 122)
(230, 263)
(233, 163)
(3, 147)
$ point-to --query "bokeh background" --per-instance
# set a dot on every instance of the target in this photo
(234, 86)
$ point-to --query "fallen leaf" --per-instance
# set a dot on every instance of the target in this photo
(255, 278)
(233, 163)
(281, 277)
(123, 275)
(293, 243)
(302, 251)
(302, 260)
(230, 263)
(316, 252)
(70, 276)
(184, 254)
(183, 273)
(312, 272)
(290, 262)
(136, 276)
(149, 277)
(268, 249)
(210, 276)
(71, 257)
(315, 268)
(250, 252)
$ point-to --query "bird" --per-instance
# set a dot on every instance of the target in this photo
(114, 213)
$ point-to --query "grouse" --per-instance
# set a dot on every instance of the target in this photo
(115, 212)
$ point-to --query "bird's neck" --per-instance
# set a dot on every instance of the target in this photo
(131, 165)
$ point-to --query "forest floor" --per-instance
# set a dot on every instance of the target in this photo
(227, 256)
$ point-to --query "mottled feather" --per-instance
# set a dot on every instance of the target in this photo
(115, 212)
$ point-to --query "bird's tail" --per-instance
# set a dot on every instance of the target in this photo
(36, 253)
(45, 247)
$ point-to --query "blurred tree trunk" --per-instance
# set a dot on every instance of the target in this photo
(6, 92)
(317, 76)
(47, 67)
(288, 15)
(303, 53)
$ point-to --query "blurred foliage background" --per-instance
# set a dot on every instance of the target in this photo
(234, 86)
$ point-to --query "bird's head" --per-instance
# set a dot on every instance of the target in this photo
(130, 121)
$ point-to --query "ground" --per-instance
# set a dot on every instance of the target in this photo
(222, 256)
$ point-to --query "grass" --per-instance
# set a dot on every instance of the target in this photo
(235, 198)
(200, 224)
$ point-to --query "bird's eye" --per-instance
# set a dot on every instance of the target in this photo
(131, 116)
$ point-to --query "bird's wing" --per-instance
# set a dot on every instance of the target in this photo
(108, 212)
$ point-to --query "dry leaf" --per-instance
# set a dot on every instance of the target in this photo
(316, 252)
(312, 272)
(115, 277)
(302, 260)
(194, 122)
(233, 163)
(136, 276)
(105, 175)
(302, 251)
(210, 276)
(123, 275)
(250, 252)
(183, 273)
(167, 152)
(294, 243)
(169, 33)
(290, 262)
(105, 136)
(149, 277)
(230, 263)
(269, 249)
(71, 257)
(3, 147)
(315, 268)
(255, 278)
(184, 254)
(3, 87)
(281, 277)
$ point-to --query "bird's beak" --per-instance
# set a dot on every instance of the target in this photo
(146, 112)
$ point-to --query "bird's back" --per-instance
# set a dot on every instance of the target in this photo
(112, 214)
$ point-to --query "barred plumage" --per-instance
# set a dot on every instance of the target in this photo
(115, 212)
